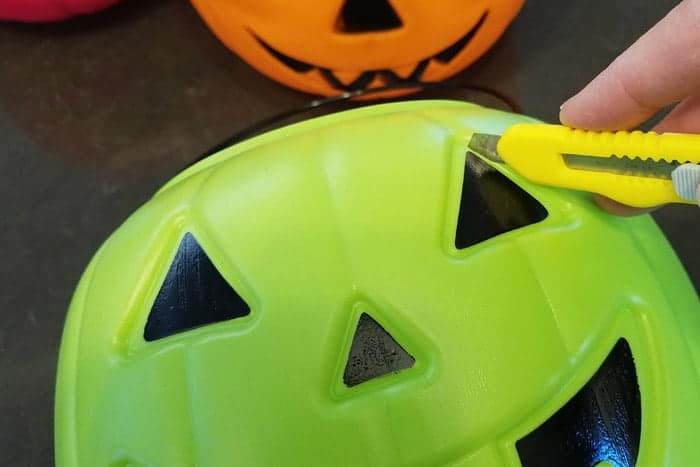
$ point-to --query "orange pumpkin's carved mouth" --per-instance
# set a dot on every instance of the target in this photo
(388, 76)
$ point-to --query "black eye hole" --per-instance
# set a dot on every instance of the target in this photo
(373, 353)
(367, 16)
(602, 423)
(492, 204)
(193, 294)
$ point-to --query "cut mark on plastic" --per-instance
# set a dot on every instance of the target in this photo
(194, 293)
(373, 353)
(601, 423)
(491, 204)
(367, 16)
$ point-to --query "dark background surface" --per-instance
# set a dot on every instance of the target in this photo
(97, 113)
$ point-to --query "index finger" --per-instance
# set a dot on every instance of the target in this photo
(661, 68)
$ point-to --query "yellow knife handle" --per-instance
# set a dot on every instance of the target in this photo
(536, 152)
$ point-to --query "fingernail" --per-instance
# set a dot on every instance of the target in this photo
(562, 112)
(566, 102)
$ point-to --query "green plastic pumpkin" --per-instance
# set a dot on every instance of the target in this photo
(358, 290)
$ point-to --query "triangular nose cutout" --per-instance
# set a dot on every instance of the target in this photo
(373, 353)
(367, 16)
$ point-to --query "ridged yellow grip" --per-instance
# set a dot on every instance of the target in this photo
(536, 151)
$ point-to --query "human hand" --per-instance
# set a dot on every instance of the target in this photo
(660, 69)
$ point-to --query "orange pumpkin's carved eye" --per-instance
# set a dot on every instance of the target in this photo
(340, 45)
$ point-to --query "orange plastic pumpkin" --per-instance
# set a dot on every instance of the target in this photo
(326, 47)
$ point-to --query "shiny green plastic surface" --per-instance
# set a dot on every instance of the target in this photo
(353, 213)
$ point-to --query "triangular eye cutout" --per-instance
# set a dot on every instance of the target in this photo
(492, 204)
(367, 16)
(193, 294)
(373, 353)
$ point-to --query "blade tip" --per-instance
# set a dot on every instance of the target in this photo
(485, 145)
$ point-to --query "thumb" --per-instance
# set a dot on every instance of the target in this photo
(660, 69)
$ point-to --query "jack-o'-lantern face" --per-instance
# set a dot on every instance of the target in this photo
(360, 290)
(340, 45)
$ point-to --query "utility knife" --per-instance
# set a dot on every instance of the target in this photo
(640, 169)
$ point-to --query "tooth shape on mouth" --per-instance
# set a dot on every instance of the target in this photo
(353, 81)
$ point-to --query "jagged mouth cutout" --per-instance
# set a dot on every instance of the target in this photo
(366, 77)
